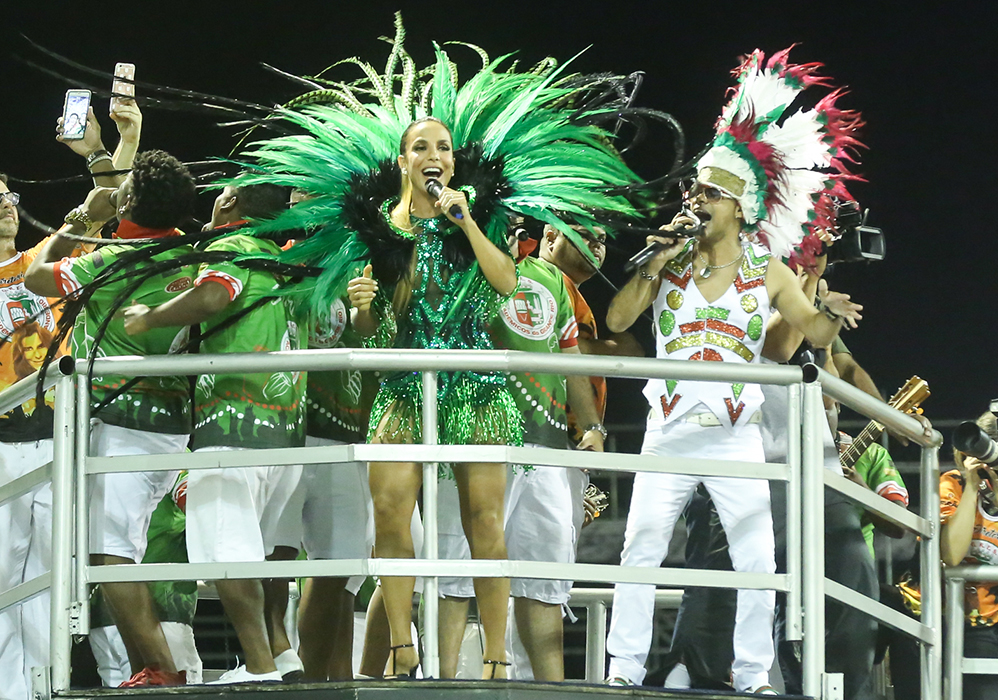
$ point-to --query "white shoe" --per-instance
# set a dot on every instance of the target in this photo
(240, 675)
(765, 690)
(289, 666)
(617, 680)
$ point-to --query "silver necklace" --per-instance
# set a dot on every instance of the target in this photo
(707, 269)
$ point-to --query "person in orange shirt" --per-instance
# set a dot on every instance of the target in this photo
(970, 536)
(27, 325)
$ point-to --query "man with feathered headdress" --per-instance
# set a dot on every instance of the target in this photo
(761, 185)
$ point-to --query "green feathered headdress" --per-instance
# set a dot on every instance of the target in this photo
(522, 147)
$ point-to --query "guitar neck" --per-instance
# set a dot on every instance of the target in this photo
(871, 433)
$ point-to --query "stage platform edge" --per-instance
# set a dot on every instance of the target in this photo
(409, 690)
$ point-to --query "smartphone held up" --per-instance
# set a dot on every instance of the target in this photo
(123, 87)
(74, 114)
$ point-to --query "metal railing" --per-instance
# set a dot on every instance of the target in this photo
(956, 664)
(11, 397)
(804, 583)
(928, 631)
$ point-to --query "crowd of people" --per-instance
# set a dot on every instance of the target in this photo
(432, 258)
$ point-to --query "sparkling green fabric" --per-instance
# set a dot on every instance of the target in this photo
(473, 408)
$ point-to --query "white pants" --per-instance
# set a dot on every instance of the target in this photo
(451, 542)
(112, 657)
(121, 504)
(539, 527)
(540, 510)
(25, 553)
(330, 512)
(232, 514)
(656, 503)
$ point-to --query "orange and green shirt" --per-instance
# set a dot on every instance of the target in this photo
(27, 327)
(981, 599)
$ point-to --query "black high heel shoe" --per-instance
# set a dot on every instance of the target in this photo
(493, 664)
(411, 673)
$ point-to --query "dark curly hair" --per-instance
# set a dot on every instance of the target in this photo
(162, 190)
(261, 201)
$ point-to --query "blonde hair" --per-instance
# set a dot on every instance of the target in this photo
(401, 218)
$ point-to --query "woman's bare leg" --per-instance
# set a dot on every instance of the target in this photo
(394, 486)
(481, 488)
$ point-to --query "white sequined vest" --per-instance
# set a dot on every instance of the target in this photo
(730, 329)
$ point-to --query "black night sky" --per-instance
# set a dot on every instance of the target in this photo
(923, 80)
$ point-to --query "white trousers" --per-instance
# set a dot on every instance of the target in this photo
(330, 512)
(233, 513)
(539, 527)
(121, 504)
(744, 510)
(25, 553)
(540, 509)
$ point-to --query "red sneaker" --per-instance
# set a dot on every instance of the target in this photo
(149, 677)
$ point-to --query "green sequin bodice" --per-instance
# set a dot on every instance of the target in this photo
(430, 323)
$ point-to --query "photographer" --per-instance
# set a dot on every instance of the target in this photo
(970, 535)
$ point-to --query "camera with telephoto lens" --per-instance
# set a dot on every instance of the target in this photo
(854, 240)
(970, 439)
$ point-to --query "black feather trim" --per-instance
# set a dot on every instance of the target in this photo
(391, 254)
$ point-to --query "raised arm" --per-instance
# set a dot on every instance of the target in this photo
(126, 114)
(639, 292)
(819, 327)
(91, 147)
(497, 266)
(86, 220)
(958, 530)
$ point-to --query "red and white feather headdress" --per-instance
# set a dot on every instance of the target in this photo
(783, 172)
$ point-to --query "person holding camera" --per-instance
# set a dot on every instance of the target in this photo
(968, 497)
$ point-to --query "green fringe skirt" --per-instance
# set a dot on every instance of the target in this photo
(472, 409)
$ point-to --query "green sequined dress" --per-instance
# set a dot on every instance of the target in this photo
(474, 408)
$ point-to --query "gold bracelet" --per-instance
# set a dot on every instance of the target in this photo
(78, 216)
(646, 276)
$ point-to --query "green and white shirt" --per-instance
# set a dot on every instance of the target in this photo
(539, 317)
(249, 410)
(877, 469)
(156, 404)
(339, 403)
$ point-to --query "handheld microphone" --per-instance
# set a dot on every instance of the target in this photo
(434, 187)
(646, 254)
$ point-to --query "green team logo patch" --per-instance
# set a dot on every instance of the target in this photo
(326, 332)
(532, 311)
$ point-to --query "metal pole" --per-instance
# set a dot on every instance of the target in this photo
(932, 614)
(794, 616)
(595, 641)
(814, 540)
(62, 533)
(81, 602)
(954, 639)
(431, 603)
